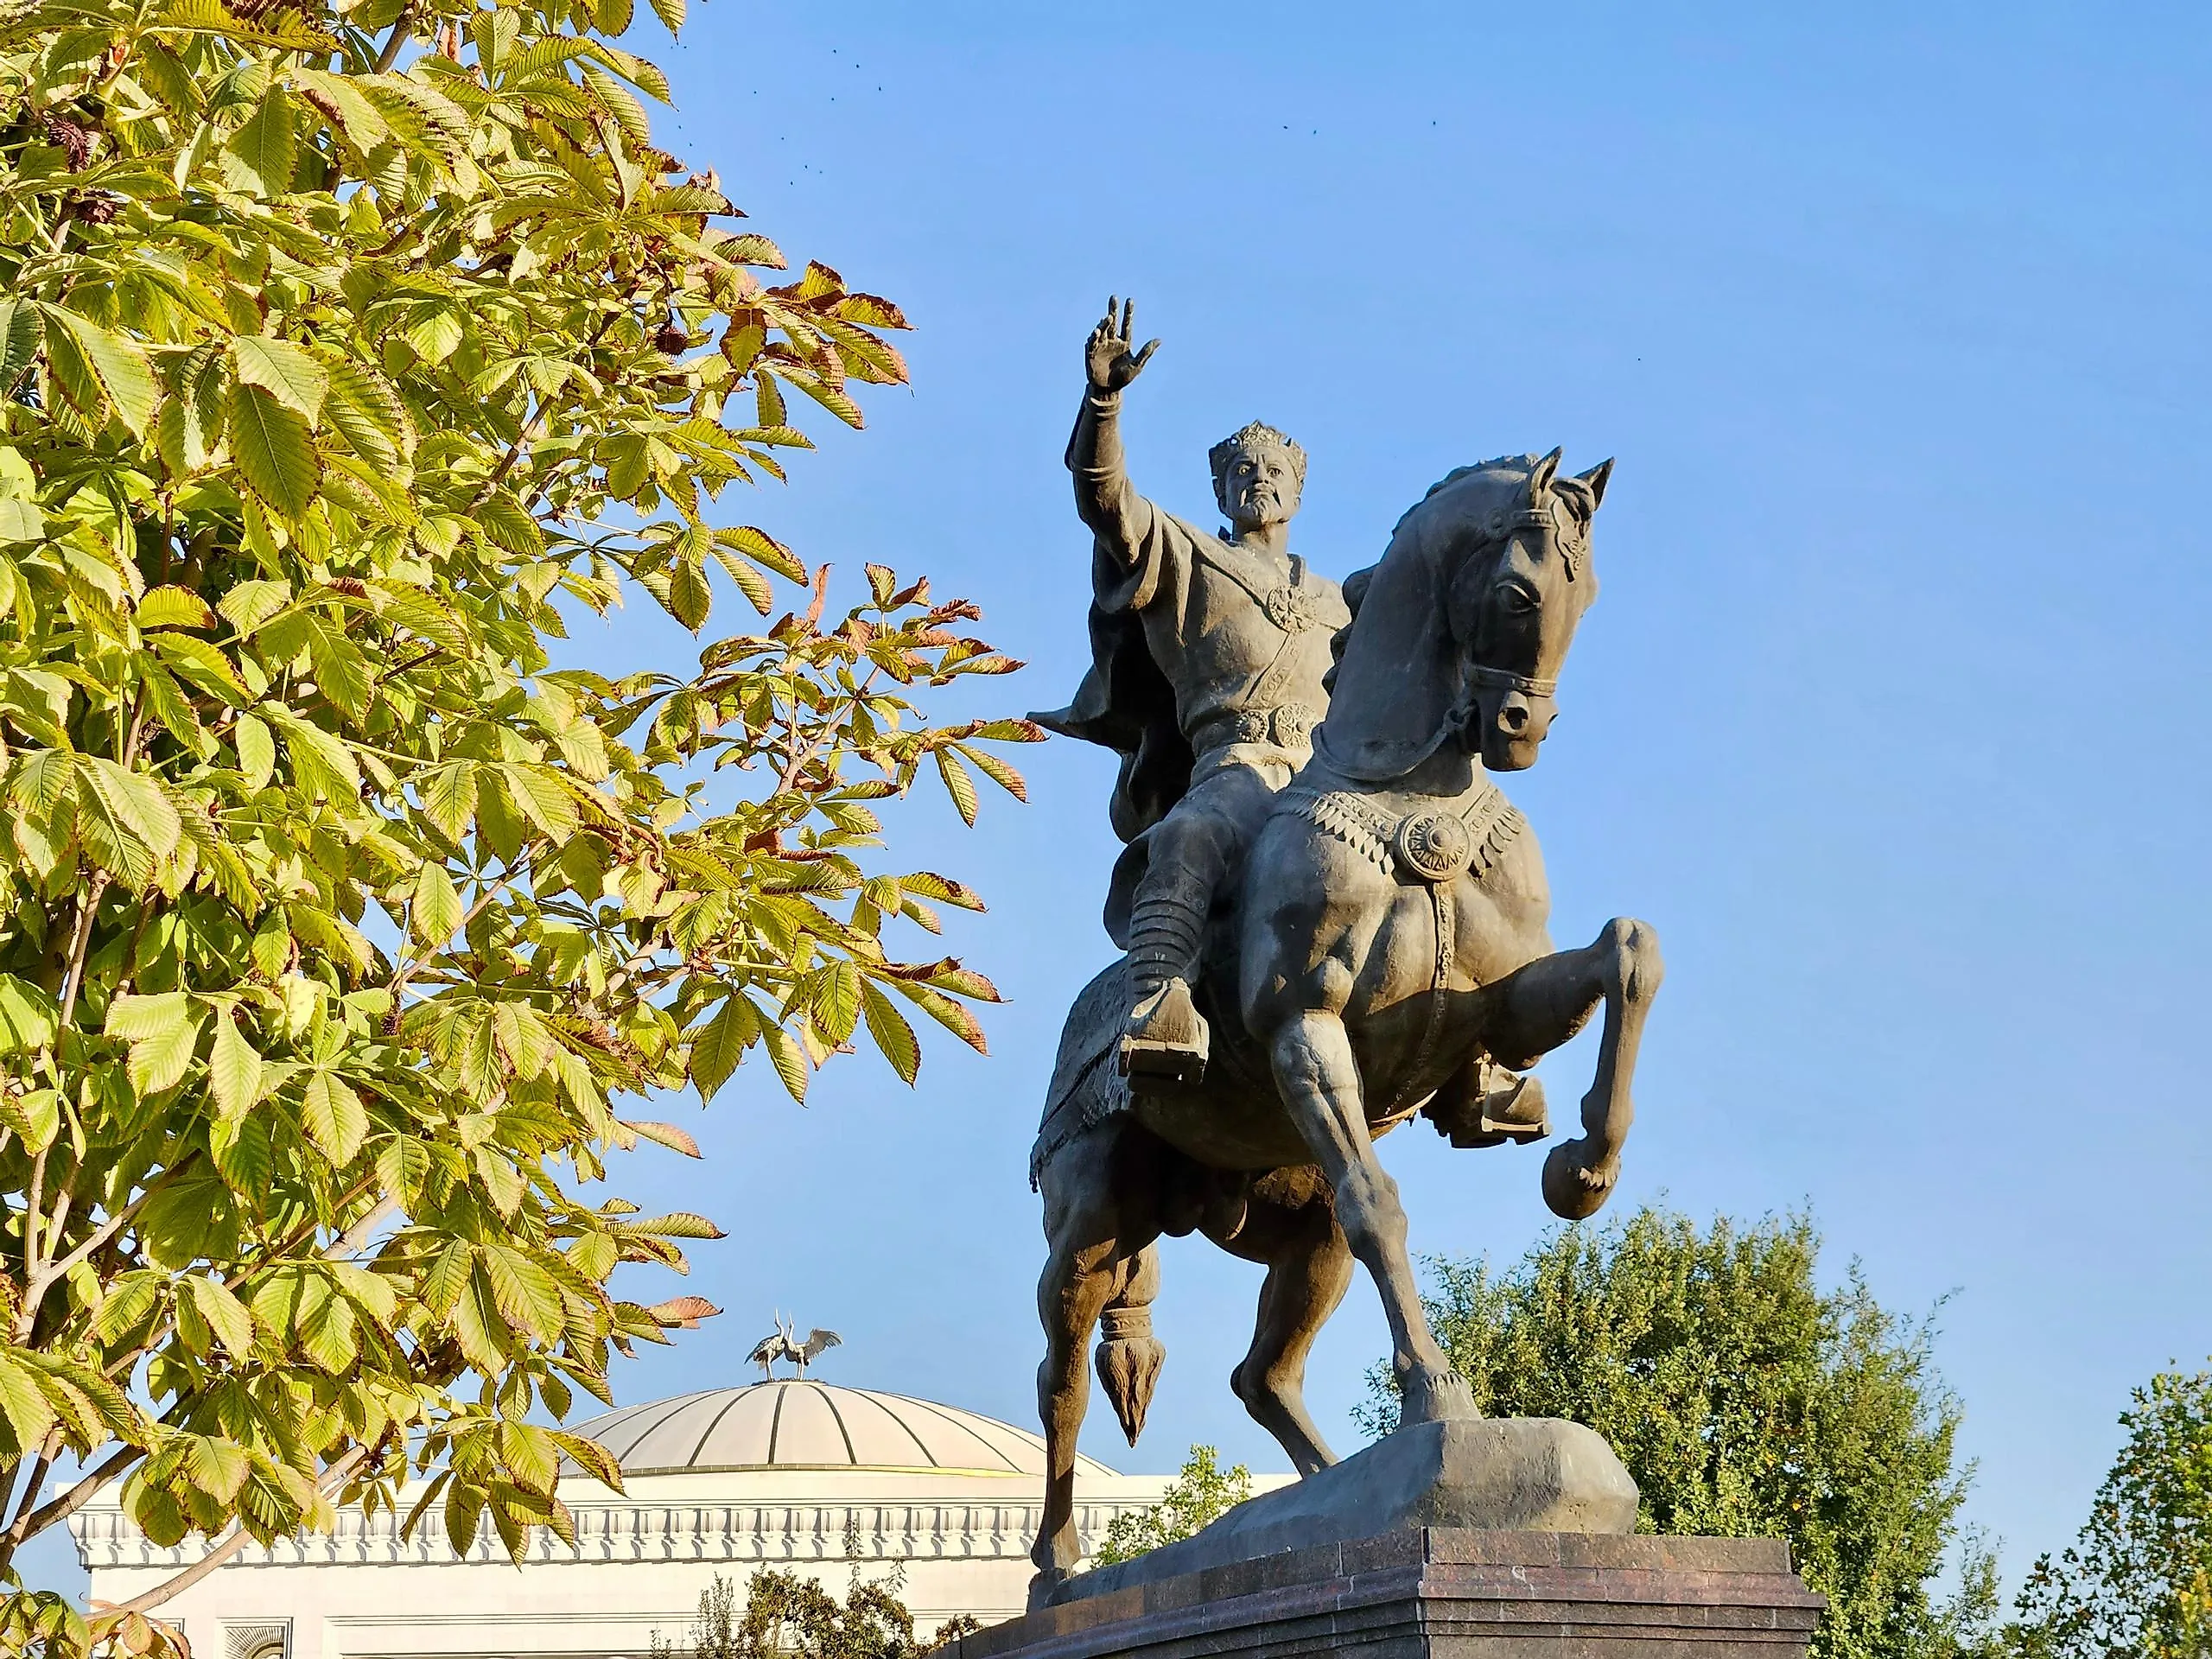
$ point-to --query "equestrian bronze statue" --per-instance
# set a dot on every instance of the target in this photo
(1332, 919)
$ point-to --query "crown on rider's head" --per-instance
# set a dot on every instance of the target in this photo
(1254, 435)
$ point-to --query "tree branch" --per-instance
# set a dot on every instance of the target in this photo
(408, 970)
(70, 1501)
(49, 1448)
(108, 1229)
(403, 27)
(232, 1541)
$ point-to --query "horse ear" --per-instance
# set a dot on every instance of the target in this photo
(1541, 476)
(1595, 478)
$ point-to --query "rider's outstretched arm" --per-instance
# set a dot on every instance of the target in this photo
(1104, 497)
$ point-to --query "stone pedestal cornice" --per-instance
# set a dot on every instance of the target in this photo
(1446, 1593)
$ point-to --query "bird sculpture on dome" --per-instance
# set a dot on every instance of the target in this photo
(785, 1344)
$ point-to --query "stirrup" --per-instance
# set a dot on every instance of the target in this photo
(1165, 1041)
(1515, 1113)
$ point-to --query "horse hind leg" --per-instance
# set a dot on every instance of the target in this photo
(1096, 1225)
(1128, 1356)
(1309, 1268)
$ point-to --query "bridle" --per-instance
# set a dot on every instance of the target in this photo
(1527, 684)
(1501, 524)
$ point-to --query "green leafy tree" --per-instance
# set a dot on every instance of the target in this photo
(1201, 1493)
(2138, 1582)
(786, 1615)
(1745, 1399)
(349, 350)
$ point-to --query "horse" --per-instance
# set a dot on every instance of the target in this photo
(1385, 945)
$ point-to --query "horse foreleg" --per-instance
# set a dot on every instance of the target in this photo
(1540, 1007)
(1309, 1266)
(1319, 1080)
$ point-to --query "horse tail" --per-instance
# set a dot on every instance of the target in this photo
(1129, 1356)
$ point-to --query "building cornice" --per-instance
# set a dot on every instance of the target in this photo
(658, 1530)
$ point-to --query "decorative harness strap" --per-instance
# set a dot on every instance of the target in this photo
(1434, 847)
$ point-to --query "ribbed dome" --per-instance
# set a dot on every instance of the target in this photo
(798, 1423)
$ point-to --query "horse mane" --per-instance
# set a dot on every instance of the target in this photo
(1525, 462)
(1356, 584)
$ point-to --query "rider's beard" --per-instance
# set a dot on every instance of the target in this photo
(1263, 504)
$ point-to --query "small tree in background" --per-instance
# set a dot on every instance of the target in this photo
(349, 349)
(2138, 1582)
(786, 1615)
(1746, 1400)
(1200, 1493)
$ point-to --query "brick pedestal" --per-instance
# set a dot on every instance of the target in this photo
(1449, 1593)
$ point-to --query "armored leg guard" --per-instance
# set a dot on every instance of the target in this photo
(1165, 1040)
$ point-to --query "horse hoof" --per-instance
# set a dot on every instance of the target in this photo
(1042, 1583)
(1570, 1191)
(1442, 1400)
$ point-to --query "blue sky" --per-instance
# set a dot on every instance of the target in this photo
(1891, 718)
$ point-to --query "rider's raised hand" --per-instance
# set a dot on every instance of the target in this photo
(1107, 357)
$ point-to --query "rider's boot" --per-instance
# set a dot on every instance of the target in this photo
(1487, 1105)
(1165, 1039)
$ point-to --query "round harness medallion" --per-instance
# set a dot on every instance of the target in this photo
(1434, 846)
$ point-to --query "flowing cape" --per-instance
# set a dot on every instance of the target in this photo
(1125, 704)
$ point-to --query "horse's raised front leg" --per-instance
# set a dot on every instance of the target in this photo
(1537, 1008)
(1096, 1246)
(1320, 1083)
(1309, 1266)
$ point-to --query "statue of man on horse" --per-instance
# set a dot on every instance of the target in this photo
(1332, 919)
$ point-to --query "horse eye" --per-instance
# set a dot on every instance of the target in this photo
(1516, 597)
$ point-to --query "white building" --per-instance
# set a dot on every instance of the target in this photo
(792, 1473)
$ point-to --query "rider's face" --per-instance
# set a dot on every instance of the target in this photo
(1258, 488)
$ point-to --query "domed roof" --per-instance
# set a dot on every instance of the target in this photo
(799, 1423)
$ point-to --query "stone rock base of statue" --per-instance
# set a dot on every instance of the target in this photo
(1475, 1540)
(1498, 1474)
(1443, 1592)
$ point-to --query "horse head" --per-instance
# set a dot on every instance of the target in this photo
(1524, 579)
(1460, 630)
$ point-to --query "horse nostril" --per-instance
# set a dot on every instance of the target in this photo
(1513, 717)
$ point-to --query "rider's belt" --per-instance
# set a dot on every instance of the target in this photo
(1289, 726)
(1432, 845)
